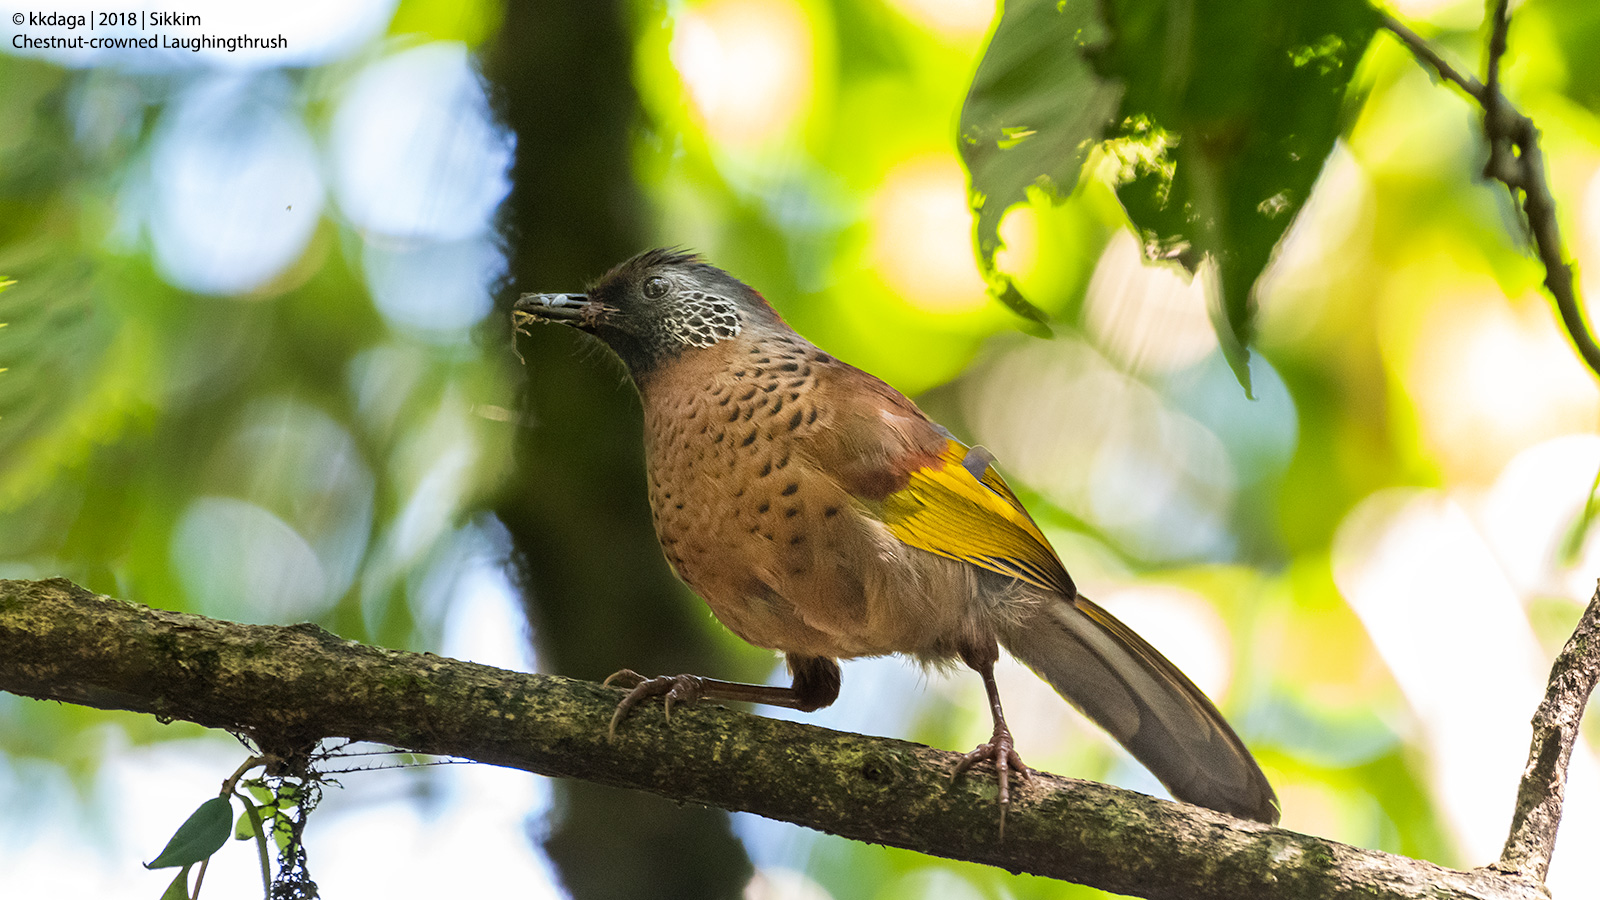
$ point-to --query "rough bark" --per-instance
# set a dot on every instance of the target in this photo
(1543, 789)
(285, 686)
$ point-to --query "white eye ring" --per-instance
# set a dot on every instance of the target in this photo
(655, 287)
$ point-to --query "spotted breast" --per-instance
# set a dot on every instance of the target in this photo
(749, 518)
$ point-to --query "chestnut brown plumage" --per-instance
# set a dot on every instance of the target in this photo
(820, 513)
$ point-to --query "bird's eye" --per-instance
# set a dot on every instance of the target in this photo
(655, 287)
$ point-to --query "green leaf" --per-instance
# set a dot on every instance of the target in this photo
(1572, 542)
(1231, 107)
(202, 834)
(1034, 111)
(179, 888)
(259, 791)
(1217, 116)
(251, 826)
(245, 828)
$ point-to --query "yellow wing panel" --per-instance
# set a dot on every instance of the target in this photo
(946, 509)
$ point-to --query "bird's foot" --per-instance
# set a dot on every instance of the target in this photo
(1001, 750)
(686, 689)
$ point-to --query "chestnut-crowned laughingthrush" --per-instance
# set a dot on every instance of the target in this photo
(820, 513)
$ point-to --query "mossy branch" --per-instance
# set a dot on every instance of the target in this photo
(287, 686)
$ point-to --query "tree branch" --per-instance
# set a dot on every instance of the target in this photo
(287, 686)
(1516, 161)
(1555, 731)
(1425, 52)
(1499, 29)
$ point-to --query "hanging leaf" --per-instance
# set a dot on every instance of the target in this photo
(250, 825)
(1231, 108)
(202, 834)
(179, 888)
(1034, 111)
(246, 827)
(1217, 117)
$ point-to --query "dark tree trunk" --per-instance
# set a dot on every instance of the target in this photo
(575, 505)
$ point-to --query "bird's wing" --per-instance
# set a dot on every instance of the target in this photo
(937, 494)
(958, 506)
(932, 491)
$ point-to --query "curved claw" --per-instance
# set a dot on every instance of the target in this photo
(628, 674)
(684, 689)
(1001, 751)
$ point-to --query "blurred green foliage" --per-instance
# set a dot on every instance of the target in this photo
(296, 450)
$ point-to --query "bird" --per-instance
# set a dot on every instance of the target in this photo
(821, 514)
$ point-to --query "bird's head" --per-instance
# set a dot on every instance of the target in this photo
(654, 307)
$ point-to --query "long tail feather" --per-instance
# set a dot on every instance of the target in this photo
(1128, 688)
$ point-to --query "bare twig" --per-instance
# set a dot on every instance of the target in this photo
(1516, 161)
(1425, 52)
(1499, 28)
(284, 686)
(1555, 731)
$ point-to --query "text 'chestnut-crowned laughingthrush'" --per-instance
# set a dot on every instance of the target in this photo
(820, 513)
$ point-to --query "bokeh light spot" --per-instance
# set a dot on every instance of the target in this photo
(235, 191)
(746, 65)
(1531, 509)
(1474, 365)
(416, 151)
(1148, 317)
(237, 560)
(1451, 628)
(435, 289)
(922, 237)
(1107, 447)
(1183, 626)
(951, 18)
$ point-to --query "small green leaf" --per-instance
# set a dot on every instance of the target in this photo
(202, 834)
(288, 795)
(251, 826)
(282, 834)
(1572, 543)
(179, 888)
(245, 828)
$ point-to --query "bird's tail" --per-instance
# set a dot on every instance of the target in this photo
(1128, 688)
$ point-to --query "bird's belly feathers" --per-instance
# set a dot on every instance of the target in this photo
(784, 556)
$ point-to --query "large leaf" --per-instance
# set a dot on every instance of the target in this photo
(1220, 115)
(200, 835)
(1230, 109)
(1034, 111)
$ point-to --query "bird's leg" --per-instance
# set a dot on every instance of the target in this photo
(815, 685)
(1000, 749)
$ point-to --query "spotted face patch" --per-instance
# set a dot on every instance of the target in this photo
(699, 319)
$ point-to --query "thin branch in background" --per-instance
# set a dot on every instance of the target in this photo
(1516, 161)
(1499, 28)
(1555, 730)
(1424, 51)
